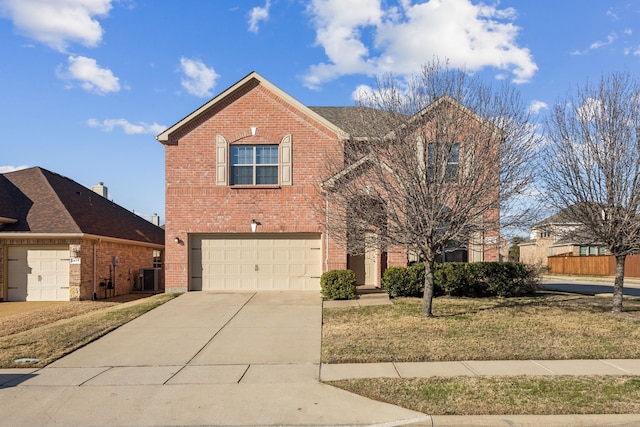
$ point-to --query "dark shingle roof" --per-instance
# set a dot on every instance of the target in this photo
(46, 202)
(357, 120)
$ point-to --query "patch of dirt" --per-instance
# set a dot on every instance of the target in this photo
(23, 316)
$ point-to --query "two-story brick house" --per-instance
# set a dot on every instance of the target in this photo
(243, 178)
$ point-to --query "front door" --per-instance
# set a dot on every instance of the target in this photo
(366, 266)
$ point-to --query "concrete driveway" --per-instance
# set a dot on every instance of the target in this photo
(200, 359)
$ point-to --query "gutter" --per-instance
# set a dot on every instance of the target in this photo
(28, 235)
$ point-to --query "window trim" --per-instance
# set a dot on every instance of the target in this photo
(254, 165)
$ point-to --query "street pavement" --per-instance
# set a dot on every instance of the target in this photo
(590, 286)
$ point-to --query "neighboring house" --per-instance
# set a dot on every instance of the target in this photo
(243, 203)
(59, 241)
(557, 235)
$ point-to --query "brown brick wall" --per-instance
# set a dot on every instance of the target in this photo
(195, 204)
(131, 258)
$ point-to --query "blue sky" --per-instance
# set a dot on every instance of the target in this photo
(85, 85)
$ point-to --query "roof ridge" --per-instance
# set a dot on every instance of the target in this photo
(65, 209)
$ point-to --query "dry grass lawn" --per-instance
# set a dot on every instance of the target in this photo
(505, 395)
(51, 331)
(548, 326)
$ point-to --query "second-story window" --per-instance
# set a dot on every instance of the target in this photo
(437, 153)
(254, 165)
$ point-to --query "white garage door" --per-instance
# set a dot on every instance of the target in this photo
(38, 274)
(256, 262)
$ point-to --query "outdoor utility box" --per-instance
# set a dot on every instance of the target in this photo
(150, 279)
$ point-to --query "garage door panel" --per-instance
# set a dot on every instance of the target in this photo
(247, 262)
(38, 274)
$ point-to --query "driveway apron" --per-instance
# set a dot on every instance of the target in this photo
(200, 359)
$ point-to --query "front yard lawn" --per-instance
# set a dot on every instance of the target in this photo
(548, 326)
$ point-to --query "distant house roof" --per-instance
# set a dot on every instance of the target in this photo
(565, 216)
(35, 200)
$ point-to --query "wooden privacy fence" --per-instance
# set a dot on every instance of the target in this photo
(600, 265)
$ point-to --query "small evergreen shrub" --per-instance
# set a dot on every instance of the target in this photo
(478, 279)
(338, 284)
(402, 281)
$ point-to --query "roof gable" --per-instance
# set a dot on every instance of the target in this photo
(255, 78)
(46, 202)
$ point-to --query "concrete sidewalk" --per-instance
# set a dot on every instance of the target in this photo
(334, 372)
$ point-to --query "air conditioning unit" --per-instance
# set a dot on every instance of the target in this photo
(150, 279)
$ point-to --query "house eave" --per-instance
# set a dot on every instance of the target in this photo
(165, 137)
(74, 236)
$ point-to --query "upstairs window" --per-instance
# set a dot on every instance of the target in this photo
(254, 165)
(437, 153)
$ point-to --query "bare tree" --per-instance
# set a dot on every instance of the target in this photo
(592, 165)
(428, 164)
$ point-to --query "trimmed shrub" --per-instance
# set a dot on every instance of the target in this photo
(505, 279)
(402, 281)
(338, 284)
(407, 281)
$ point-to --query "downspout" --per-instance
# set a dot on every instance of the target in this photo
(95, 295)
(326, 232)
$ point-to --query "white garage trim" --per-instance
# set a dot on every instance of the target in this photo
(37, 273)
(255, 261)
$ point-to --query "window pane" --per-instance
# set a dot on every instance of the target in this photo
(266, 175)
(583, 250)
(241, 155)
(454, 156)
(267, 155)
(451, 172)
(241, 175)
(593, 250)
(602, 251)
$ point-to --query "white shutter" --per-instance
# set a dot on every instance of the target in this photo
(287, 160)
(222, 159)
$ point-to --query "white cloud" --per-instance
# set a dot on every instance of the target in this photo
(198, 79)
(362, 92)
(590, 110)
(57, 23)
(362, 36)
(90, 75)
(257, 15)
(537, 106)
(599, 43)
(6, 169)
(611, 38)
(127, 127)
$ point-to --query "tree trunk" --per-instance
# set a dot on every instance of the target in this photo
(427, 296)
(618, 284)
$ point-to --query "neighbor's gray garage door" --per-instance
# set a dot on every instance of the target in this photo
(38, 273)
(256, 262)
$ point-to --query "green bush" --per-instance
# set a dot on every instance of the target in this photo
(407, 281)
(338, 284)
(402, 281)
(478, 279)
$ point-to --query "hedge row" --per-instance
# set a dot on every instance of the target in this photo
(478, 279)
